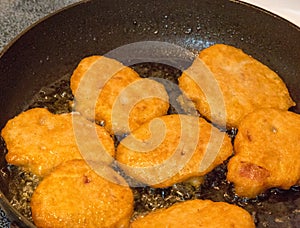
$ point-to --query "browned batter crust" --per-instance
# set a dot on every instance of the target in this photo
(245, 84)
(175, 150)
(73, 195)
(111, 92)
(267, 152)
(39, 140)
(197, 213)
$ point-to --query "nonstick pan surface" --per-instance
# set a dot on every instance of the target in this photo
(52, 48)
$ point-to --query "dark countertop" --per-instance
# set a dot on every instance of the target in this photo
(17, 15)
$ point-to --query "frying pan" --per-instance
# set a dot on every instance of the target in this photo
(53, 47)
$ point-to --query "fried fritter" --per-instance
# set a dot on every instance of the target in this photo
(244, 83)
(172, 149)
(197, 213)
(74, 195)
(267, 152)
(39, 140)
(112, 93)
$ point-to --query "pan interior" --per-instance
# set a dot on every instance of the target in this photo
(42, 75)
(273, 207)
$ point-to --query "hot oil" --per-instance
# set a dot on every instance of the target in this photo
(21, 187)
(275, 208)
(57, 98)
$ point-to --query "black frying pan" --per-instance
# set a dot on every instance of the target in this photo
(53, 48)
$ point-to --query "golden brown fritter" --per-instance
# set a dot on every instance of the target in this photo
(115, 94)
(197, 213)
(244, 85)
(172, 149)
(267, 152)
(73, 195)
(39, 140)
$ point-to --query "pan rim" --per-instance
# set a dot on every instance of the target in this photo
(36, 23)
(4, 203)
